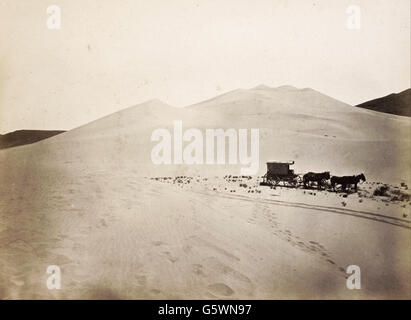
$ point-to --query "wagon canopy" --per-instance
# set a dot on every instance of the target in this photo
(279, 168)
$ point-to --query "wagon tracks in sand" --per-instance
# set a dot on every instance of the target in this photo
(355, 213)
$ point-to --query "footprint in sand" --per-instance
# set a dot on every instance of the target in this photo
(187, 248)
(157, 243)
(18, 282)
(141, 279)
(155, 291)
(198, 269)
(170, 257)
(220, 289)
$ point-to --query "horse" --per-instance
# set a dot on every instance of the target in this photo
(347, 180)
(317, 177)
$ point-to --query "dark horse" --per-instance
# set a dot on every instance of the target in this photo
(317, 177)
(347, 180)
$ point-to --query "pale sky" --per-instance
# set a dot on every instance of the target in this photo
(109, 55)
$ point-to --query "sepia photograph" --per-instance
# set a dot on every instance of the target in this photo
(205, 150)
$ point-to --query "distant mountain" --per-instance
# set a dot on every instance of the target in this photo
(22, 137)
(395, 103)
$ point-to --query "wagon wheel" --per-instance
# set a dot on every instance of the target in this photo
(293, 182)
(299, 180)
(276, 180)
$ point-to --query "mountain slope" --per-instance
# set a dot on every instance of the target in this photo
(23, 137)
(395, 103)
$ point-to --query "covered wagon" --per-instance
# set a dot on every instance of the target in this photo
(279, 173)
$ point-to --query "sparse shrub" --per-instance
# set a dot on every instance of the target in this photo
(344, 203)
(400, 195)
(381, 191)
(395, 194)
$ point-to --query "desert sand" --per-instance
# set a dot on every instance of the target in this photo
(85, 200)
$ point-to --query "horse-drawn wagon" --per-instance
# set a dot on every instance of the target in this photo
(279, 173)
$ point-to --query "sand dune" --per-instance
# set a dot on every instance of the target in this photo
(317, 131)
